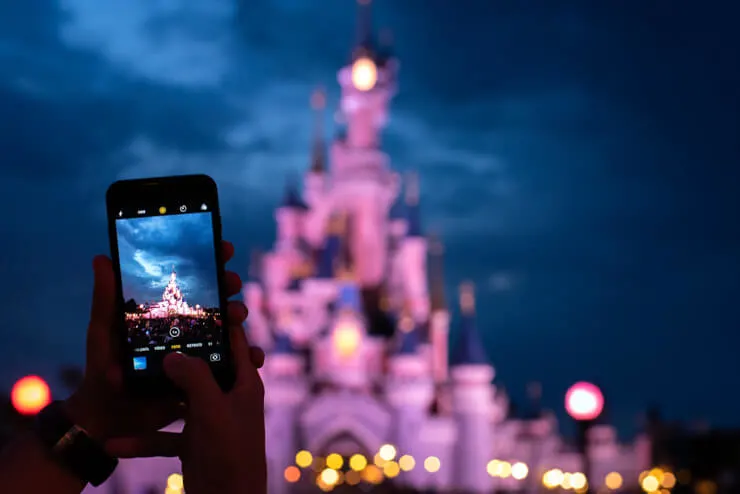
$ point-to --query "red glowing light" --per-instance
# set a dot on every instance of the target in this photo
(30, 395)
(584, 401)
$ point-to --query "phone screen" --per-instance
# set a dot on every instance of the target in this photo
(169, 283)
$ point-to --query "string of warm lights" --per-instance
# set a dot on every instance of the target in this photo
(334, 470)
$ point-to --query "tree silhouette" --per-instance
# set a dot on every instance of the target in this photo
(130, 306)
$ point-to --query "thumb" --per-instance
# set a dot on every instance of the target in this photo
(193, 376)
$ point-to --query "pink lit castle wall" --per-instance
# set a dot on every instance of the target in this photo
(350, 307)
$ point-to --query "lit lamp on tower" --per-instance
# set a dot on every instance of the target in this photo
(364, 74)
(584, 402)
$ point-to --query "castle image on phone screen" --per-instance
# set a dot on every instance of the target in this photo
(170, 283)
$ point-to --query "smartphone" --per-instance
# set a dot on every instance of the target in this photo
(165, 240)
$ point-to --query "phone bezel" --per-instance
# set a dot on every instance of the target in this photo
(132, 194)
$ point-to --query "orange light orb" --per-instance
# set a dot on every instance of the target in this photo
(347, 340)
(584, 401)
(30, 395)
(364, 74)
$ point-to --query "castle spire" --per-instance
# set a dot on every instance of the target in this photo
(364, 29)
(291, 198)
(469, 349)
(318, 155)
(436, 274)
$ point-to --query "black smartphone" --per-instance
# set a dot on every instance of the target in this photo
(165, 239)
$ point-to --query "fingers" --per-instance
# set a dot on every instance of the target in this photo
(237, 313)
(166, 444)
(247, 359)
(257, 356)
(104, 294)
(193, 376)
(227, 250)
(233, 283)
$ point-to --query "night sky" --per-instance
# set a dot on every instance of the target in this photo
(149, 248)
(580, 160)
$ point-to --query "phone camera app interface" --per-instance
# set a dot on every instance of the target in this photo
(170, 284)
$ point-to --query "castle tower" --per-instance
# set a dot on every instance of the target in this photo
(289, 218)
(255, 300)
(285, 391)
(439, 319)
(363, 184)
(410, 391)
(472, 399)
(413, 253)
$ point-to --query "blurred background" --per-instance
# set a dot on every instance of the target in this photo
(577, 162)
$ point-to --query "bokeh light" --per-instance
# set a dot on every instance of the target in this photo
(292, 474)
(364, 74)
(650, 484)
(406, 463)
(387, 452)
(329, 476)
(584, 401)
(432, 464)
(334, 461)
(30, 395)
(372, 474)
(613, 480)
(303, 459)
(175, 482)
(357, 462)
(519, 471)
(552, 478)
(668, 481)
(578, 481)
(391, 469)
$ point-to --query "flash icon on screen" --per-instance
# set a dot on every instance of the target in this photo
(162, 210)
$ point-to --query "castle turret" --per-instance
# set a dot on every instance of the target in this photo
(255, 300)
(410, 391)
(439, 319)
(315, 179)
(362, 183)
(413, 254)
(285, 390)
(472, 398)
(288, 217)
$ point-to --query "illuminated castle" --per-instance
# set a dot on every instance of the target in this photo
(350, 306)
(172, 303)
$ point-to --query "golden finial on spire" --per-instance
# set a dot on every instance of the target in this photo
(467, 297)
(412, 188)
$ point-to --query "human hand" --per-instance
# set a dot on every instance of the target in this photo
(101, 406)
(222, 446)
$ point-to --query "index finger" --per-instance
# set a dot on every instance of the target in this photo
(227, 250)
(246, 371)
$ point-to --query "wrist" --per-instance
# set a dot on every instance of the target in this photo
(85, 414)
